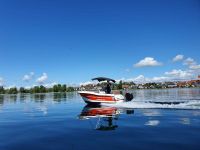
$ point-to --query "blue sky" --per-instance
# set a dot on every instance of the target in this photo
(44, 41)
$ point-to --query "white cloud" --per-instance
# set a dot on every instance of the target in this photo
(189, 61)
(28, 77)
(42, 79)
(118, 80)
(180, 74)
(1, 81)
(88, 82)
(192, 64)
(148, 62)
(178, 58)
(10, 86)
(49, 85)
(140, 79)
(160, 79)
(143, 79)
(28, 87)
(194, 67)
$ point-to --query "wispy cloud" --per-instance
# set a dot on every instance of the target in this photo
(49, 85)
(192, 64)
(88, 82)
(148, 62)
(10, 86)
(189, 61)
(170, 76)
(143, 79)
(195, 67)
(140, 79)
(174, 75)
(28, 77)
(191, 72)
(180, 74)
(178, 58)
(42, 78)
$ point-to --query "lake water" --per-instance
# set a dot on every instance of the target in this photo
(155, 119)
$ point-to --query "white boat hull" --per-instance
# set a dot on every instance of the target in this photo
(93, 97)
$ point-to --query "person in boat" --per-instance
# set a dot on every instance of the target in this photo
(108, 88)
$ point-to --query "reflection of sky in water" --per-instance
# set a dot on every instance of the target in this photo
(151, 112)
(43, 109)
(152, 123)
(40, 118)
(185, 121)
(33, 103)
(196, 113)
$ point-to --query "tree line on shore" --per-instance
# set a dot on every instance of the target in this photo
(37, 89)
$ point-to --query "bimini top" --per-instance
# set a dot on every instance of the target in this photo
(103, 79)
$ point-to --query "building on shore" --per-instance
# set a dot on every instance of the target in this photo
(151, 85)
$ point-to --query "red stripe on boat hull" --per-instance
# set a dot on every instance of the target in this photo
(93, 97)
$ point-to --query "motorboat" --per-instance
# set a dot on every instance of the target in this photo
(94, 97)
(98, 97)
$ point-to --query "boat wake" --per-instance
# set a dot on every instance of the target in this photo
(189, 104)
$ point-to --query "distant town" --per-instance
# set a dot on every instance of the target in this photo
(116, 86)
(152, 85)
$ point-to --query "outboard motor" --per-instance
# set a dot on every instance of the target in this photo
(128, 96)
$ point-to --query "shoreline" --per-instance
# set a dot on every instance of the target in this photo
(112, 90)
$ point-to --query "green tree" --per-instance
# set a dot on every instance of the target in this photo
(12, 90)
(2, 90)
(22, 90)
(59, 88)
(55, 88)
(120, 84)
(36, 89)
(42, 89)
(64, 88)
(49, 90)
(70, 89)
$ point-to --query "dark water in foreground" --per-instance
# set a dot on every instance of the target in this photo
(62, 121)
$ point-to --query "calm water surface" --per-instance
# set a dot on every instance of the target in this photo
(155, 119)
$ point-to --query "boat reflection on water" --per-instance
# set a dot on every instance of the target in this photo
(106, 116)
